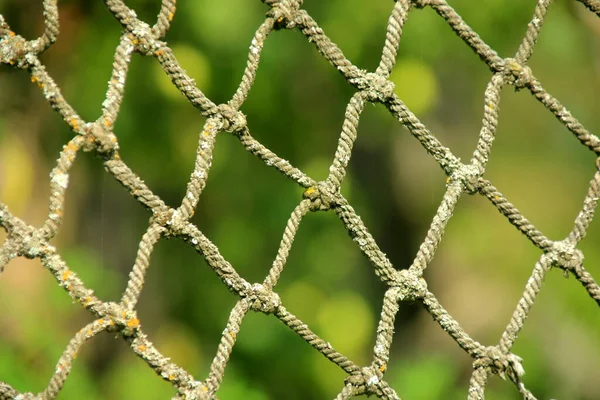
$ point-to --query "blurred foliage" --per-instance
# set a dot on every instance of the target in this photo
(296, 108)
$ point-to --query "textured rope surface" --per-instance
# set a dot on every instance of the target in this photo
(28, 241)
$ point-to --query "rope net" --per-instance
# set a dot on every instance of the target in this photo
(404, 285)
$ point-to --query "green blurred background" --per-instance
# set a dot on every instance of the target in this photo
(296, 108)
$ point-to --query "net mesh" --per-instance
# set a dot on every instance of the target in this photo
(406, 285)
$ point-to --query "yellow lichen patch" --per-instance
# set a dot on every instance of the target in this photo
(89, 332)
(100, 321)
(124, 314)
(310, 191)
(86, 301)
(232, 334)
(133, 323)
(66, 275)
(11, 33)
(107, 122)
(383, 368)
(514, 65)
(448, 179)
(73, 123)
(71, 146)
(142, 347)
(171, 15)
(171, 377)
(159, 53)
(74, 355)
(205, 388)
(34, 79)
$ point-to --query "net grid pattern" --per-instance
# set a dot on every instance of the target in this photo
(24, 240)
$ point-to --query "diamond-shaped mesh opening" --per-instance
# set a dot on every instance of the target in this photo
(30, 339)
(101, 229)
(546, 193)
(493, 16)
(488, 280)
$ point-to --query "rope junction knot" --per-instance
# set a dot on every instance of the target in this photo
(23, 240)
(122, 319)
(518, 75)
(377, 87)
(322, 197)
(366, 380)
(13, 50)
(32, 243)
(195, 390)
(171, 220)
(566, 255)
(100, 138)
(501, 363)
(262, 299)
(469, 176)
(408, 285)
(142, 37)
(283, 12)
(233, 120)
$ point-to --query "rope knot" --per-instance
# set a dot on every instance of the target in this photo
(469, 176)
(565, 255)
(170, 221)
(33, 243)
(122, 318)
(100, 138)
(263, 299)
(519, 75)
(322, 197)
(142, 37)
(408, 285)
(283, 12)
(14, 49)
(377, 87)
(501, 364)
(367, 379)
(233, 120)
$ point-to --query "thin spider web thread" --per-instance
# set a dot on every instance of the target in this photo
(24, 240)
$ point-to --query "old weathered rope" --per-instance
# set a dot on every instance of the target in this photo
(403, 285)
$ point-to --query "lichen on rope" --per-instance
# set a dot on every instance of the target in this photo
(99, 136)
